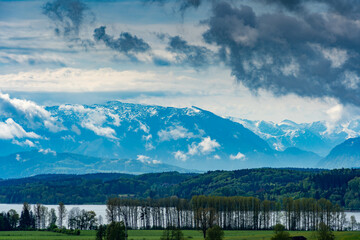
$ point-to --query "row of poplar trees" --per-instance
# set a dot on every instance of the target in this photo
(203, 212)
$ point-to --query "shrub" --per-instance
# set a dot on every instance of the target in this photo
(115, 231)
(214, 233)
(280, 233)
(172, 233)
(324, 232)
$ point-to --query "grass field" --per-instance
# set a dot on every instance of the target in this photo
(156, 234)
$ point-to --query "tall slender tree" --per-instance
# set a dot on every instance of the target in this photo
(61, 213)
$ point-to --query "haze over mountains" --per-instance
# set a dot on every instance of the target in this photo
(316, 137)
(84, 139)
(24, 164)
(346, 155)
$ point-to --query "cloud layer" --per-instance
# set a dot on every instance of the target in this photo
(33, 115)
(126, 43)
(310, 54)
(287, 49)
(68, 17)
(10, 130)
(291, 49)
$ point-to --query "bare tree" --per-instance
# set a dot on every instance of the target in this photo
(43, 216)
(37, 214)
(111, 209)
(205, 218)
(52, 217)
(61, 213)
(100, 220)
(352, 222)
(74, 218)
(13, 218)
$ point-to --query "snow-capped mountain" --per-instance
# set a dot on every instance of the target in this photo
(316, 137)
(190, 138)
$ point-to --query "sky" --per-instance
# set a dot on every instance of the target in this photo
(261, 59)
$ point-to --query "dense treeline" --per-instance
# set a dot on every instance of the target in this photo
(341, 186)
(88, 188)
(200, 212)
(203, 212)
(40, 217)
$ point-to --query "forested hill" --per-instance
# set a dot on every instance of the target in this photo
(341, 186)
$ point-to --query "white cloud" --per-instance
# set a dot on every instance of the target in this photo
(227, 98)
(217, 98)
(92, 119)
(75, 129)
(10, 129)
(156, 161)
(186, 88)
(116, 119)
(148, 143)
(351, 80)
(29, 110)
(143, 158)
(292, 69)
(179, 155)
(174, 133)
(79, 80)
(207, 145)
(68, 138)
(98, 130)
(193, 149)
(47, 151)
(335, 113)
(147, 137)
(20, 159)
(144, 127)
(279, 146)
(146, 159)
(238, 156)
(346, 128)
(340, 117)
(27, 142)
(149, 146)
(336, 56)
(9, 58)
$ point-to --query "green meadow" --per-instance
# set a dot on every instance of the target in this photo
(156, 234)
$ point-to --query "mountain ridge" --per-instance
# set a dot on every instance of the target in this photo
(190, 138)
(27, 164)
(316, 136)
(344, 155)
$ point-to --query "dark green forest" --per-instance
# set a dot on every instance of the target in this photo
(340, 186)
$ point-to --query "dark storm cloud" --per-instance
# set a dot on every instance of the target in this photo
(68, 16)
(308, 54)
(305, 47)
(196, 56)
(126, 43)
(179, 5)
(186, 4)
(350, 8)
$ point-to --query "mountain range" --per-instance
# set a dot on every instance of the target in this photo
(344, 155)
(134, 138)
(317, 137)
(31, 163)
